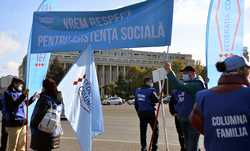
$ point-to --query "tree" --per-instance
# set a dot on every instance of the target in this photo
(123, 88)
(136, 76)
(56, 70)
(200, 69)
(178, 65)
(110, 89)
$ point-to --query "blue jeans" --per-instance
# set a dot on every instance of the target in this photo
(191, 135)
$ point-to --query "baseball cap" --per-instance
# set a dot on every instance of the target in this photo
(235, 62)
(188, 68)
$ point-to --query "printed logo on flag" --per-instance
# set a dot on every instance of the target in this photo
(84, 92)
(46, 20)
(40, 60)
(226, 24)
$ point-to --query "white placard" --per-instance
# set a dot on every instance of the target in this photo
(159, 74)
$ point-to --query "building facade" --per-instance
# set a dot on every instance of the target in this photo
(114, 63)
(4, 83)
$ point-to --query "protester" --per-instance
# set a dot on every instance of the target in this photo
(50, 99)
(14, 102)
(145, 101)
(222, 113)
(186, 98)
(172, 105)
(4, 135)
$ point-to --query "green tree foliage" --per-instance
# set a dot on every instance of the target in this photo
(200, 69)
(178, 65)
(123, 88)
(134, 79)
(110, 89)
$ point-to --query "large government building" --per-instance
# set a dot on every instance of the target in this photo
(111, 64)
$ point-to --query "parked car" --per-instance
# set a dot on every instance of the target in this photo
(105, 102)
(114, 101)
(131, 101)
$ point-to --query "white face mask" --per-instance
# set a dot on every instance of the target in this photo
(20, 88)
(150, 84)
(185, 77)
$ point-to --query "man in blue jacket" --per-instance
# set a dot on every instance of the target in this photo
(145, 101)
(185, 101)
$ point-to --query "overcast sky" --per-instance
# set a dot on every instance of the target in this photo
(189, 26)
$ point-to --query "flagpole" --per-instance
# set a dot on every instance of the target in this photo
(27, 75)
(161, 87)
(161, 107)
(27, 122)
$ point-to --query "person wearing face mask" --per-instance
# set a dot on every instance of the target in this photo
(49, 98)
(222, 113)
(145, 101)
(14, 103)
(185, 98)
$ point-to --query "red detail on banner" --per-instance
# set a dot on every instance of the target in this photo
(75, 82)
(79, 80)
(218, 26)
(237, 24)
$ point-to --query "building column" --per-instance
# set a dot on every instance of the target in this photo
(64, 66)
(103, 75)
(124, 71)
(117, 72)
(110, 74)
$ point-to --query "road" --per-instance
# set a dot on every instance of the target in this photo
(121, 132)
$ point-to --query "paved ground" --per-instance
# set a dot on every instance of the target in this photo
(121, 132)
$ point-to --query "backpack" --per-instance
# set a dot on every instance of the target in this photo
(51, 122)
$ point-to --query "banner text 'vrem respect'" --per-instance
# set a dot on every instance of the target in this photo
(145, 24)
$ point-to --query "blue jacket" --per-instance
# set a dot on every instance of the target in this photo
(145, 99)
(183, 103)
(226, 118)
(13, 110)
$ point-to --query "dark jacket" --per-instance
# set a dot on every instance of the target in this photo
(14, 104)
(190, 87)
(49, 141)
(172, 103)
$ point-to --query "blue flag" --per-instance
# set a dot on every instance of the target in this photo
(224, 36)
(37, 64)
(121, 28)
(82, 101)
